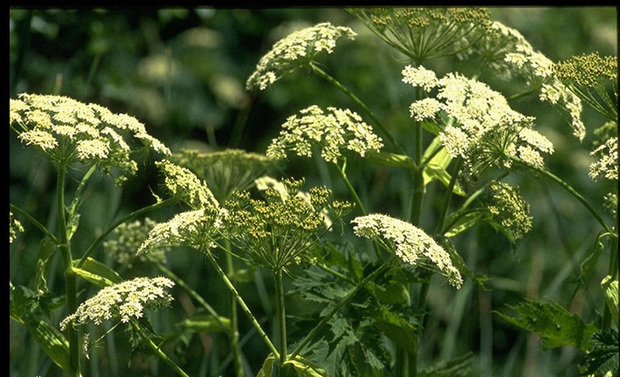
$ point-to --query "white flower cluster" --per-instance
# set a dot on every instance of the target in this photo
(332, 131)
(479, 112)
(607, 163)
(294, 50)
(70, 131)
(122, 301)
(197, 229)
(515, 55)
(15, 227)
(410, 243)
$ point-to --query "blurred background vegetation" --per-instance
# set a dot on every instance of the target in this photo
(182, 72)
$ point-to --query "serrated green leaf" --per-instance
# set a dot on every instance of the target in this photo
(602, 359)
(97, 273)
(397, 328)
(556, 326)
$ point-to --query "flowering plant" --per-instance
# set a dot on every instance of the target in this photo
(353, 233)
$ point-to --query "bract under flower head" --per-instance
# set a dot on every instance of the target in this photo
(426, 33)
(123, 301)
(70, 131)
(294, 51)
(410, 243)
(332, 131)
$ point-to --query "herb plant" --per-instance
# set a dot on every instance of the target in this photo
(345, 279)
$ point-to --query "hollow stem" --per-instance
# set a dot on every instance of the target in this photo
(281, 314)
(70, 278)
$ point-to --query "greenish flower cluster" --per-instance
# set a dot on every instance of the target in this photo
(123, 301)
(15, 227)
(128, 237)
(295, 50)
(482, 129)
(186, 186)
(69, 131)
(508, 209)
(225, 171)
(278, 230)
(426, 33)
(410, 243)
(332, 131)
(594, 78)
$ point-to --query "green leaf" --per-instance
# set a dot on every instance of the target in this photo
(268, 365)
(46, 250)
(97, 273)
(457, 367)
(465, 222)
(390, 159)
(603, 356)
(431, 127)
(436, 167)
(397, 328)
(610, 289)
(556, 326)
(304, 368)
(206, 322)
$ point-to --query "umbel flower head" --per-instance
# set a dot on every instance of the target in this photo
(332, 131)
(509, 211)
(279, 230)
(294, 51)
(127, 239)
(198, 229)
(409, 243)
(227, 170)
(594, 78)
(506, 52)
(185, 186)
(426, 33)
(481, 128)
(123, 301)
(69, 131)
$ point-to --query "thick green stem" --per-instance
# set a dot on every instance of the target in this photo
(234, 322)
(339, 305)
(124, 219)
(281, 314)
(158, 350)
(70, 278)
(242, 303)
(359, 102)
